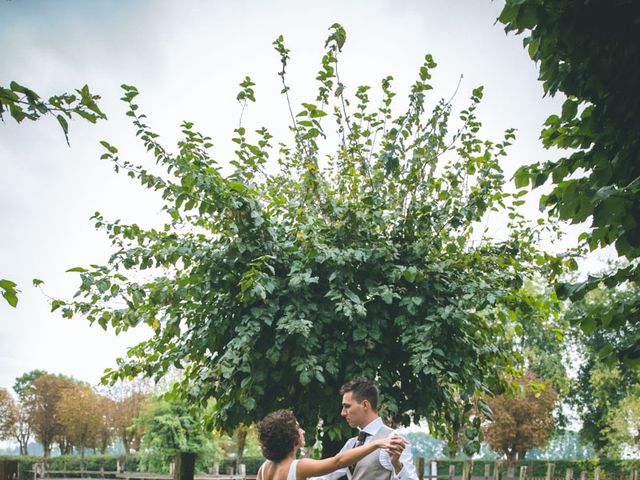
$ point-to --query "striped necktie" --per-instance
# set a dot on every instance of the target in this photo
(359, 442)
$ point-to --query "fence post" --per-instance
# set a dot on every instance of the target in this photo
(568, 474)
(596, 474)
(433, 469)
(523, 472)
(466, 470)
(497, 471)
(185, 466)
(487, 471)
(420, 467)
(550, 470)
(583, 475)
(452, 471)
(634, 474)
(38, 470)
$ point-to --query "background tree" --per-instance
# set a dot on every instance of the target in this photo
(602, 381)
(170, 427)
(523, 421)
(623, 434)
(22, 385)
(564, 446)
(8, 414)
(22, 428)
(243, 442)
(590, 52)
(125, 410)
(42, 404)
(540, 336)
(276, 283)
(106, 430)
(80, 414)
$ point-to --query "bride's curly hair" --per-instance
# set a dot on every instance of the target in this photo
(278, 435)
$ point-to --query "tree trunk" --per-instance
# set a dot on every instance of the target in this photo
(47, 453)
(24, 449)
(241, 440)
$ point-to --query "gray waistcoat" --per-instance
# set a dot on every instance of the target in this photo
(369, 467)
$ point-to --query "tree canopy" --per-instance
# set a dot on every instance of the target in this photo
(323, 260)
(590, 52)
(601, 385)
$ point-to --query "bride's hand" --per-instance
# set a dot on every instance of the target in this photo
(394, 444)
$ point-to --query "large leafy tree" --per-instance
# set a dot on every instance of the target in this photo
(590, 51)
(355, 254)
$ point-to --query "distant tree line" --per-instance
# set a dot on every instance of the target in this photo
(60, 411)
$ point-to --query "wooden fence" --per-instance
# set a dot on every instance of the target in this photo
(183, 469)
(429, 471)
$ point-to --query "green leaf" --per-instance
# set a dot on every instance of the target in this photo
(10, 292)
(339, 36)
(77, 270)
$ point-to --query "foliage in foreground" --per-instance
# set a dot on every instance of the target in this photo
(313, 263)
(23, 103)
(590, 52)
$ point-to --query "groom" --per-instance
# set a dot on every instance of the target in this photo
(360, 409)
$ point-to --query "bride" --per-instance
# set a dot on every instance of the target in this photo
(281, 437)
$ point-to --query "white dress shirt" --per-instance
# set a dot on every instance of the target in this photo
(408, 471)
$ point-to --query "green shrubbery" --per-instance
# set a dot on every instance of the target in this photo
(538, 468)
(72, 463)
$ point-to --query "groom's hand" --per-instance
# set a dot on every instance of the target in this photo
(396, 446)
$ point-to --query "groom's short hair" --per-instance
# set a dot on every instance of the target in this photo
(362, 389)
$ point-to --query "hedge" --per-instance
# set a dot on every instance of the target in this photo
(72, 462)
(538, 468)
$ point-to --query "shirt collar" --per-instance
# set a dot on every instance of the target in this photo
(373, 427)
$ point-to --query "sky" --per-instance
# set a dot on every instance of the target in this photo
(187, 59)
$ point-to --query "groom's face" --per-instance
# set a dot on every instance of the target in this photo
(353, 411)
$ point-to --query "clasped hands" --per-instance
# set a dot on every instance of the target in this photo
(394, 445)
